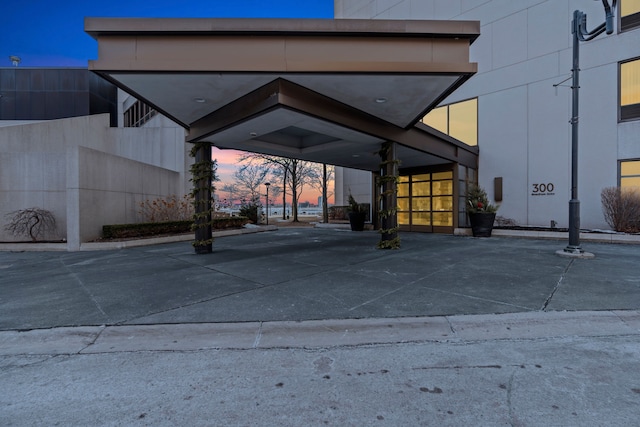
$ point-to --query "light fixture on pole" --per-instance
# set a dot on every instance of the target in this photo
(580, 34)
(267, 184)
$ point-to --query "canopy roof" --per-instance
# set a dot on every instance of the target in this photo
(329, 91)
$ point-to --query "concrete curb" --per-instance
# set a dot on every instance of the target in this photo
(319, 333)
(101, 246)
(556, 235)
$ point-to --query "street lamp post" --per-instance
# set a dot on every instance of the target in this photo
(580, 34)
(267, 184)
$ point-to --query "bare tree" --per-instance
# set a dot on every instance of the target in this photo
(250, 176)
(280, 172)
(32, 222)
(326, 174)
(232, 192)
(294, 173)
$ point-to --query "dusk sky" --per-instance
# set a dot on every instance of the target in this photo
(45, 33)
(51, 33)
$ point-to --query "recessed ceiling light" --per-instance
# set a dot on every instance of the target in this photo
(381, 100)
(253, 134)
(200, 100)
(355, 155)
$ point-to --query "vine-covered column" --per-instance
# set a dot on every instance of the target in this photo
(388, 183)
(202, 177)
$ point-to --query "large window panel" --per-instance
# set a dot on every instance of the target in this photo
(438, 118)
(463, 121)
(630, 174)
(630, 90)
(629, 14)
(458, 120)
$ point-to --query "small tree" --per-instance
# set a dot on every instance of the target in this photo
(250, 210)
(32, 222)
(621, 209)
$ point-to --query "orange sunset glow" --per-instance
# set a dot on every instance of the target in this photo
(228, 163)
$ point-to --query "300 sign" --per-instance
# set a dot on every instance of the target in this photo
(543, 189)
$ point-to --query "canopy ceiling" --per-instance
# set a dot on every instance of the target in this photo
(329, 91)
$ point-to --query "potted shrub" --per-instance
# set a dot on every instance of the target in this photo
(357, 214)
(482, 214)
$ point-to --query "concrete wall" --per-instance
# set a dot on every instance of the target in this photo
(87, 173)
(524, 131)
(358, 183)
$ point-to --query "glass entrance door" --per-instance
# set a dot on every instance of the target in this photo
(425, 202)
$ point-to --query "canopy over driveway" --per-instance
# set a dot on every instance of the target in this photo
(329, 91)
(342, 92)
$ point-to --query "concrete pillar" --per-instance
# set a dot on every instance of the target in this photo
(202, 176)
(388, 192)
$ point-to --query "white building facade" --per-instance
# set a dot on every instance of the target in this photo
(517, 108)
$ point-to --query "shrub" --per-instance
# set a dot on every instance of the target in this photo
(250, 210)
(621, 209)
(171, 208)
(338, 212)
(146, 229)
(478, 201)
(32, 222)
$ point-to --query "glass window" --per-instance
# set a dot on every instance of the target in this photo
(458, 120)
(630, 90)
(442, 187)
(629, 14)
(422, 218)
(630, 174)
(443, 219)
(463, 121)
(421, 204)
(403, 190)
(403, 218)
(421, 189)
(443, 175)
(438, 118)
(421, 177)
(443, 203)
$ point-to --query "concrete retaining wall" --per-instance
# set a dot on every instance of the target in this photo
(87, 173)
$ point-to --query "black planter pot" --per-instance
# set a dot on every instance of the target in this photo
(356, 220)
(482, 223)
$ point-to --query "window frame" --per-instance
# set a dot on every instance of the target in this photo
(448, 117)
(620, 176)
(628, 22)
(626, 113)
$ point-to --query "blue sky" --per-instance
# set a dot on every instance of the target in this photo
(51, 33)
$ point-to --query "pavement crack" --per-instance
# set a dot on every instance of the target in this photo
(478, 298)
(555, 288)
(256, 342)
(512, 417)
(86, 290)
(93, 341)
(453, 330)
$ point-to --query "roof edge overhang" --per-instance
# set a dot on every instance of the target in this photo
(97, 27)
(320, 80)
